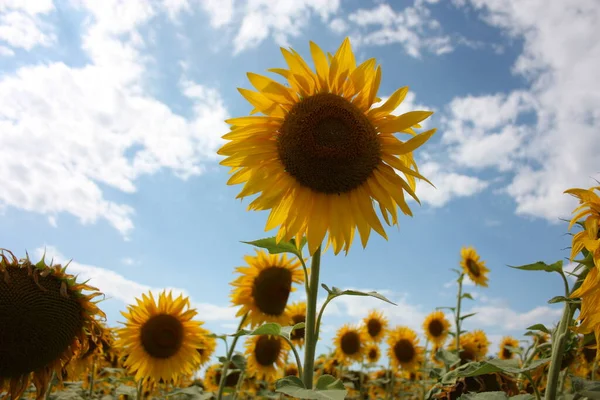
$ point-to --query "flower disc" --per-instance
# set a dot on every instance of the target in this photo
(350, 343)
(375, 325)
(473, 266)
(436, 327)
(266, 356)
(403, 348)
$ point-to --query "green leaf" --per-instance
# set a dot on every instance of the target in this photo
(293, 386)
(525, 396)
(286, 331)
(335, 292)
(539, 327)
(467, 316)
(484, 396)
(449, 358)
(542, 266)
(584, 387)
(270, 328)
(192, 392)
(328, 382)
(273, 247)
(324, 286)
(126, 390)
(561, 299)
(446, 308)
(467, 296)
(239, 361)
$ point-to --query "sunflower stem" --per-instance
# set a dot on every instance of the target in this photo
(558, 346)
(225, 368)
(536, 391)
(457, 313)
(238, 386)
(140, 389)
(92, 373)
(312, 327)
(50, 385)
(296, 355)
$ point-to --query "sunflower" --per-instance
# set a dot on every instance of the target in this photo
(589, 238)
(46, 320)
(212, 378)
(589, 292)
(297, 314)
(471, 346)
(350, 343)
(436, 327)
(403, 348)
(264, 288)
(481, 342)
(375, 325)
(266, 356)
(505, 353)
(290, 370)
(372, 353)
(473, 267)
(209, 344)
(320, 156)
(161, 341)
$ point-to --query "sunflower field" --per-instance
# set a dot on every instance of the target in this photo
(320, 123)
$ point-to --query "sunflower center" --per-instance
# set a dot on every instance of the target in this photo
(328, 145)
(372, 354)
(436, 328)
(350, 343)
(589, 354)
(467, 354)
(506, 353)
(162, 336)
(374, 327)
(291, 371)
(404, 350)
(267, 350)
(298, 334)
(271, 290)
(36, 326)
(230, 380)
(473, 267)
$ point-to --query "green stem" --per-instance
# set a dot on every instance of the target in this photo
(50, 385)
(238, 386)
(559, 339)
(92, 373)
(457, 313)
(594, 367)
(296, 355)
(312, 329)
(305, 268)
(225, 368)
(538, 396)
(140, 389)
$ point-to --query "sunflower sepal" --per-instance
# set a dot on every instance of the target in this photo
(276, 247)
(327, 388)
(336, 292)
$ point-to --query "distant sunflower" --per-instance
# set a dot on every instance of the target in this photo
(436, 327)
(589, 238)
(481, 342)
(212, 378)
(350, 343)
(469, 350)
(403, 348)
(45, 321)
(320, 156)
(372, 353)
(473, 267)
(161, 341)
(375, 325)
(290, 370)
(297, 314)
(505, 353)
(209, 344)
(264, 288)
(266, 356)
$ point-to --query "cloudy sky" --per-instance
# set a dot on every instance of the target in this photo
(111, 113)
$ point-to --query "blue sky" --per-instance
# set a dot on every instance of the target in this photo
(111, 113)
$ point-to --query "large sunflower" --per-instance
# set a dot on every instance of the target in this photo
(209, 344)
(403, 348)
(320, 156)
(375, 325)
(45, 321)
(589, 292)
(266, 356)
(589, 238)
(436, 327)
(297, 314)
(264, 288)
(161, 341)
(473, 266)
(350, 343)
(505, 353)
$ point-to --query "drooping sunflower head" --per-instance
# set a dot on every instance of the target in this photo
(297, 314)
(372, 353)
(375, 325)
(436, 327)
(589, 238)
(403, 350)
(46, 320)
(473, 266)
(264, 287)
(350, 343)
(321, 154)
(161, 340)
(506, 353)
(266, 356)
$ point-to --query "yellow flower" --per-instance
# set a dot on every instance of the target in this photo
(290, 370)
(589, 238)
(350, 343)
(161, 341)
(264, 288)
(372, 353)
(45, 321)
(297, 313)
(321, 155)
(473, 267)
(589, 292)
(209, 344)
(505, 353)
(473, 346)
(403, 348)
(266, 356)
(212, 378)
(436, 328)
(481, 342)
(375, 325)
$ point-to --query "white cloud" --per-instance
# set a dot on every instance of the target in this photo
(128, 261)
(76, 127)
(6, 51)
(504, 318)
(220, 12)
(22, 24)
(116, 286)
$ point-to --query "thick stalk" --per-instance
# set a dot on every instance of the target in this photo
(557, 351)
(311, 330)
(229, 356)
(457, 313)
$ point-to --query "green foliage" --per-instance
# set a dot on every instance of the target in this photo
(539, 327)
(336, 292)
(542, 266)
(495, 396)
(271, 328)
(327, 388)
(270, 244)
(488, 367)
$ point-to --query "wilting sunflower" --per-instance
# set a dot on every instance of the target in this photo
(264, 288)
(403, 348)
(589, 292)
(375, 324)
(473, 266)
(436, 327)
(350, 343)
(505, 353)
(45, 321)
(161, 341)
(372, 353)
(266, 356)
(297, 314)
(209, 344)
(589, 238)
(320, 155)
(212, 378)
